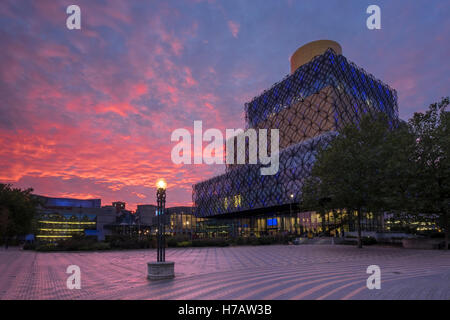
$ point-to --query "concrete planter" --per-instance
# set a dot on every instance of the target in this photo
(161, 270)
(421, 243)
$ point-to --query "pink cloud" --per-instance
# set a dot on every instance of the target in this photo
(234, 28)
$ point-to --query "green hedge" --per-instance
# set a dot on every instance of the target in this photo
(184, 244)
(180, 241)
(75, 244)
(91, 244)
(29, 246)
(120, 242)
(215, 242)
(264, 240)
(175, 240)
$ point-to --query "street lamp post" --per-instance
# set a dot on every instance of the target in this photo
(290, 208)
(161, 202)
(161, 269)
(290, 204)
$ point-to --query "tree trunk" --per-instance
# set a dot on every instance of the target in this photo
(447, 231)
(358, 225)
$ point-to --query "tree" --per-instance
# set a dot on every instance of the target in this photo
(378, 167)
(17, 211)
(399, 171)
(348, 173)
(4, 220)
(432, 156)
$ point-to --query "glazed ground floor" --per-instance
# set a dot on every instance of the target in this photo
(289, 221)
(272, 223)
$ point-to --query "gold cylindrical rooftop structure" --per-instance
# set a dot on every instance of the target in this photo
(305, 53)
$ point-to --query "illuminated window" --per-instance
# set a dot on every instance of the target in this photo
(237, 201)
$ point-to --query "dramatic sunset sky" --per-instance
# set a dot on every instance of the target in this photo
(89, 113)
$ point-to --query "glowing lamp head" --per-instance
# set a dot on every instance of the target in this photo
(161, 184)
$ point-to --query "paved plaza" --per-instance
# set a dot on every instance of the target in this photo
(260, 272)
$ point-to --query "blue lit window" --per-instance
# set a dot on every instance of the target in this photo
(272, 222)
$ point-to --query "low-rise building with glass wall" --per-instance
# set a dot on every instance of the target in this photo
(65, 218)
(178, 221)
(323, 93)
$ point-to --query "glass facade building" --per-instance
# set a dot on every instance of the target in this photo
(308, 107)
(65, 218)
(68, 202)
(178, 221)
(53, 226)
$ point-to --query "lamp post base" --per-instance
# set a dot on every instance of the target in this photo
(161, 270)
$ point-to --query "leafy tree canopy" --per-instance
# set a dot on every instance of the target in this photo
(17, 211)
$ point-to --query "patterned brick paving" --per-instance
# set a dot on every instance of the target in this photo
(263, 272)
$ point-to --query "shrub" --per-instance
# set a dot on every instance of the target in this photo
(367, 241)
(437, 235)
(121, 242)
(101, 246)
(173, 241)
(184, 244)
(88, 244)
(47, 247)
(216, 242)
(263, 240)
(240, 241)
(29, 246)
